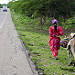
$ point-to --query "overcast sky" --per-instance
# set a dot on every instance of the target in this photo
(4, 1)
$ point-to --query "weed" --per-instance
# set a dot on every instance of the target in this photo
(37, 43)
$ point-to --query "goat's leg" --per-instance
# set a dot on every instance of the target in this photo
(70, 57)
(73, 52)
(74, 61)
(74, 56)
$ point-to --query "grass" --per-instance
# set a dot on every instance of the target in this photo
(37, 43)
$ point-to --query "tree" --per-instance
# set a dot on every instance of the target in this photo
(44, 8)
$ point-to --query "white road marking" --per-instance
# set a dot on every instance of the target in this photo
(3, 21)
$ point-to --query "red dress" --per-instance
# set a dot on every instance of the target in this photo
(54, 42)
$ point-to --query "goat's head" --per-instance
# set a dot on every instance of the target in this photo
(72, 35)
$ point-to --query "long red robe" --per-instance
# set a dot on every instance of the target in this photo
(54, 42)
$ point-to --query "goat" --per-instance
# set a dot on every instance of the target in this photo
(71, 48)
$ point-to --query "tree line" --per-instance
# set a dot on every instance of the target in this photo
(57, 9)
(50, 8)
(1, 5)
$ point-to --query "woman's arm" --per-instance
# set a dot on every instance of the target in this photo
(51, 32)
(60, 31)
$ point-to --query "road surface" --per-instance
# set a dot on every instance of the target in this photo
(13, 59)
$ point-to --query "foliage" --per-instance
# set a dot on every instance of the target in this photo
(36, 41)
(70, 23)
(26, 16)
(50, 8)
(1, 5)
(58, 9)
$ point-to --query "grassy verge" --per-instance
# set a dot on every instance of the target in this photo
(36, 41)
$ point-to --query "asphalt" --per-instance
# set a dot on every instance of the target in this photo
(14, 59)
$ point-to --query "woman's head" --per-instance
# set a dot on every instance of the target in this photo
(54, 23)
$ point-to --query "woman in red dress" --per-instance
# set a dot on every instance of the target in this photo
(55, 32)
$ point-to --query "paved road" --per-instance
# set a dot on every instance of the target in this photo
(13, 59)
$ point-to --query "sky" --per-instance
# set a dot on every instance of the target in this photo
(4, 1)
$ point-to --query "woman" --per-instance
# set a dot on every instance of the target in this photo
(55, 32)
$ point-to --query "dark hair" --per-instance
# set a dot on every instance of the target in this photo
(55, 26)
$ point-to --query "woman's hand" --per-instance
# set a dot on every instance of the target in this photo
(57, 36)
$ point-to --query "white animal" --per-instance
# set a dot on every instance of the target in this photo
(71, 48)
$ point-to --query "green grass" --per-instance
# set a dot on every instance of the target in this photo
(37, 43)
